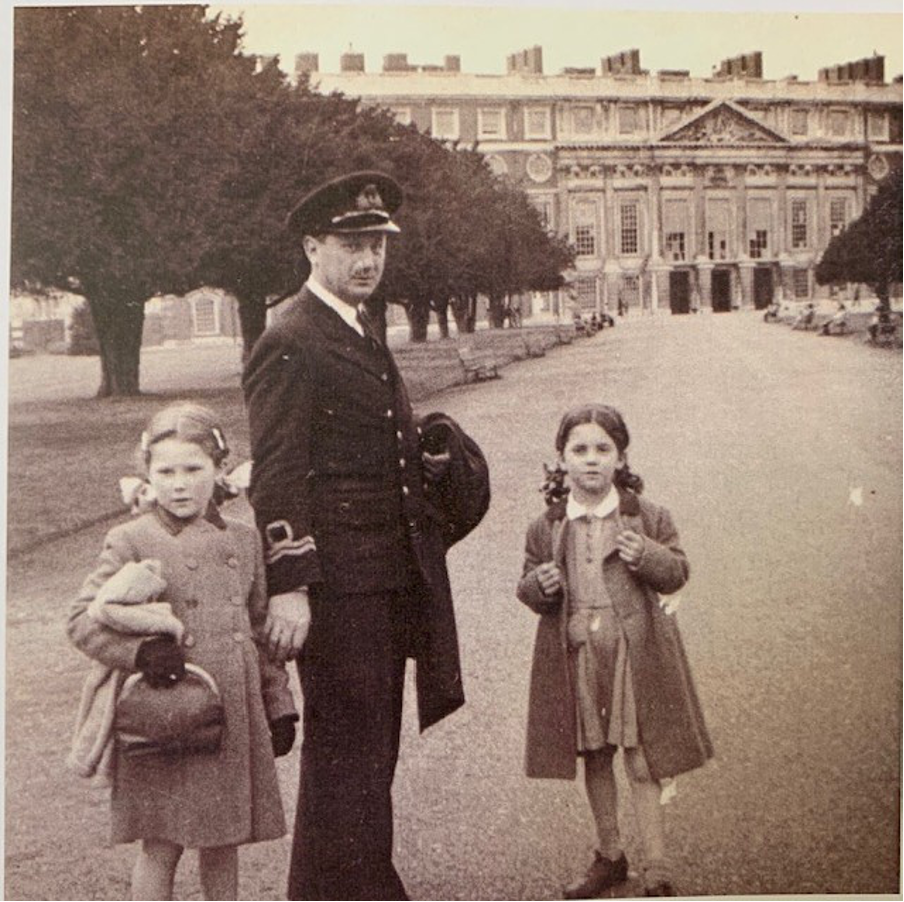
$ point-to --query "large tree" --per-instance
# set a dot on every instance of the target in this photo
(123, 125)
(869, 250)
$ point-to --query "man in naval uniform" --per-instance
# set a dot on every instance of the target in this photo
(352, 551)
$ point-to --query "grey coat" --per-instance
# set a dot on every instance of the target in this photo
(670, 721)
(214, 573)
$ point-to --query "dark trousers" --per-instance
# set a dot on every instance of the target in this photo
(352, 671)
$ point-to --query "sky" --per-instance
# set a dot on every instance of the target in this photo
(580, 32)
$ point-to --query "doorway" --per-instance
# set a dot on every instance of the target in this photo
(721, 290)
(762, 287)
(680, 291)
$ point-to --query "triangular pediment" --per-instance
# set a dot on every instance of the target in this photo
(722, 123)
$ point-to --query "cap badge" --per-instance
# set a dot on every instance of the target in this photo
(369, 199)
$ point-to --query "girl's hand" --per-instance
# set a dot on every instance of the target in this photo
(630, 547)
(550, 578)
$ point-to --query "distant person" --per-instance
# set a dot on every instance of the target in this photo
(606, 317)
(179, 597)
(837, 323)
(880, 322)
(772, 312)
(806, 317)
(609, 669)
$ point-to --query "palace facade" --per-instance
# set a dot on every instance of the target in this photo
(677, 192)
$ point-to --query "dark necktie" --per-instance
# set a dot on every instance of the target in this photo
(367, 324)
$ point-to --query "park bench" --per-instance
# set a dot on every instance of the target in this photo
(478, 365)
(885, 333)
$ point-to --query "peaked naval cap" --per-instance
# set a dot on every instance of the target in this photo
(357, 202)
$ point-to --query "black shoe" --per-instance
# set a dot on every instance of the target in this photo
(601, 874)
(661, 888)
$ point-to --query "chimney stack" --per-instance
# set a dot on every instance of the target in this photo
(306, 63)
(870, 68)
(625, 63)
(526, 62)
(747, 65)
(351, 62)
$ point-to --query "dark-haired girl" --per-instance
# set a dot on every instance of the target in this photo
(609, 668)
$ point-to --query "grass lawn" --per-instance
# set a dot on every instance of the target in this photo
(66, 455)
(65, 459)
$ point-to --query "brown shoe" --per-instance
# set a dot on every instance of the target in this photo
(601, 874)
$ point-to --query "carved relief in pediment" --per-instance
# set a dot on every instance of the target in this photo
(723, 125)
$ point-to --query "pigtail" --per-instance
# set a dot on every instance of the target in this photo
(553, 487)
(625, 479)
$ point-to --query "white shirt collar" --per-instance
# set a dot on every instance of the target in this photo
(348, 313)
(574, 509)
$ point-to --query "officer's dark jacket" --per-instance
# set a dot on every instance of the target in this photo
(337, 482)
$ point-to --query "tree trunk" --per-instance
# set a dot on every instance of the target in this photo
(496, 312)
(418, 320)
(253, 320)
(442, 318)
(119, 324)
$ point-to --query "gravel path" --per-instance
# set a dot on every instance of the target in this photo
(760, 440)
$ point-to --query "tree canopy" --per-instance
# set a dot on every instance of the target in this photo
(151, 156)
(870, 249)
(123, 119)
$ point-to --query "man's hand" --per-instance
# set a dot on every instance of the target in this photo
(435, 465)
(287, 624)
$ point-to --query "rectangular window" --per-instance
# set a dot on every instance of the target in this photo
(537, 122)
(490, 123)
(674, 246)
(544, 206)
(798, 224)
(718, 227)
(759, 224)
(585, 289)
(628, 120)
(204, 311)
(801, 283)
(584, 231)
(670, 115)
(585, 240)
(759, 244)
(717, 245)
(630, 231)
(837, 215)
(676, 224)
(631, 290)
(877, 126)
(582, 120)
(445, 123)
(402, 114)
(839, 123)
(800, 124)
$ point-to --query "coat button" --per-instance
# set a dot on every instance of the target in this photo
(384, 377)
(398, 435)
(389, 413)
(404, 489)
(232, 562)
(237, 599)
(188, 640)
(238, 637)
(402, 462)
(191, 563)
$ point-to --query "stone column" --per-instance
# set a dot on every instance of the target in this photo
(704, 283)
(699, 249)
(821, 232)
(745, 271)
